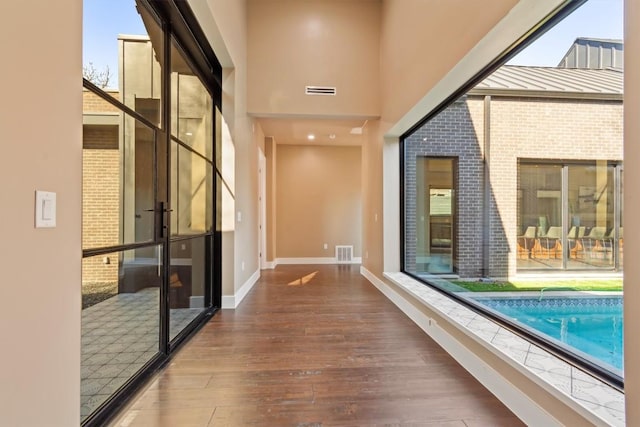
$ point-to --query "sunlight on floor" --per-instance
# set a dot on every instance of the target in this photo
(304, 279)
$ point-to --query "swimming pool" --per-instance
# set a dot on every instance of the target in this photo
(591, 325)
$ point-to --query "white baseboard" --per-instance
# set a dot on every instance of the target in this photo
(232, 301)
(270, 265)
(324, 260)
(516, 400)
(196, 302)
(228, 301)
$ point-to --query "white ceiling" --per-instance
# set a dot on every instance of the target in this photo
(295, 131)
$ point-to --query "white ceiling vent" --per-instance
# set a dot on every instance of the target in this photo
(320, 90)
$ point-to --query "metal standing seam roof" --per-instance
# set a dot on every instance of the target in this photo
(539, 80)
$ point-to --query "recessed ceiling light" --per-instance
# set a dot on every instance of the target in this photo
(332, 136)
(311, 137)
(188, 133)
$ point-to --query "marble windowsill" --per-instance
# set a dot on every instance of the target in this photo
(572, 384)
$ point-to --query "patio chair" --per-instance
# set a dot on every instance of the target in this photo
(607, 243)
(526, 242)
(549, 244)
(573, 241)
(592, 242)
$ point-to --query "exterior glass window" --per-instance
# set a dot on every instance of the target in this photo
(512, 194)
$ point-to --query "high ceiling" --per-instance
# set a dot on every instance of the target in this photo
(296, 131)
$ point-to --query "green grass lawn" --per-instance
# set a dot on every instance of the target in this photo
(536, 285)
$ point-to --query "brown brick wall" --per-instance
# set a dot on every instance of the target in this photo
(92, 103)
(101, 200)
(455, 132)
(541, 129)
(521, 128)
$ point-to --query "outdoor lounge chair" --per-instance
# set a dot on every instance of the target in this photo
(573, 241)
(592, 242)
(526, 242)
(549, 244)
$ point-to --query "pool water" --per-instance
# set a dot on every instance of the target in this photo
(593, 326)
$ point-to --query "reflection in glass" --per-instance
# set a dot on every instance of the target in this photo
(591, 213)
(124, 59)
(191, 106)
(187, 282)
(539, 216)
(191, 192)
(225, 154)
(117, 182)
(435, 215)
(120, 320)
(621, 228)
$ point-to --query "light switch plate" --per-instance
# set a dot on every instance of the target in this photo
(45, 209)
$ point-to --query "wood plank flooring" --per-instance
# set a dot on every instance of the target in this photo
(314, 346)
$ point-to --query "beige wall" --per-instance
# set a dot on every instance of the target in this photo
(270, 152)
(318, 200)
(372, 203)
(632, 210)
(224, 23)
(295, 43)
(41, 122)
(422, 40)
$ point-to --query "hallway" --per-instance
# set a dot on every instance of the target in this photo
(314, 346)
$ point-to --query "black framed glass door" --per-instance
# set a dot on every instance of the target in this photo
(150, 258)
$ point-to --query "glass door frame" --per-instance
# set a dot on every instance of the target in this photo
(177, 22)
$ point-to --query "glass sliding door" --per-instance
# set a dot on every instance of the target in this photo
(591, 216)
(192, 191)
(539, 216)
(570, 216)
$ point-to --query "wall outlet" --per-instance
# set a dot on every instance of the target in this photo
(326, 246)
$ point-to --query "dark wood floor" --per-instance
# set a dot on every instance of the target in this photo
(314, 346)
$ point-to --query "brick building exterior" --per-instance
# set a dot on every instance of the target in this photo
(101, 204)
(544, 126)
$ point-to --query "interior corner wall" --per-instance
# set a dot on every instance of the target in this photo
(270, 152)
(372, 194)
(318, 200)
(247, 251)
(41, 122)
(225, 25)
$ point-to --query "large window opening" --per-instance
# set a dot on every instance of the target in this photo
(512, 191)
(151, 198)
